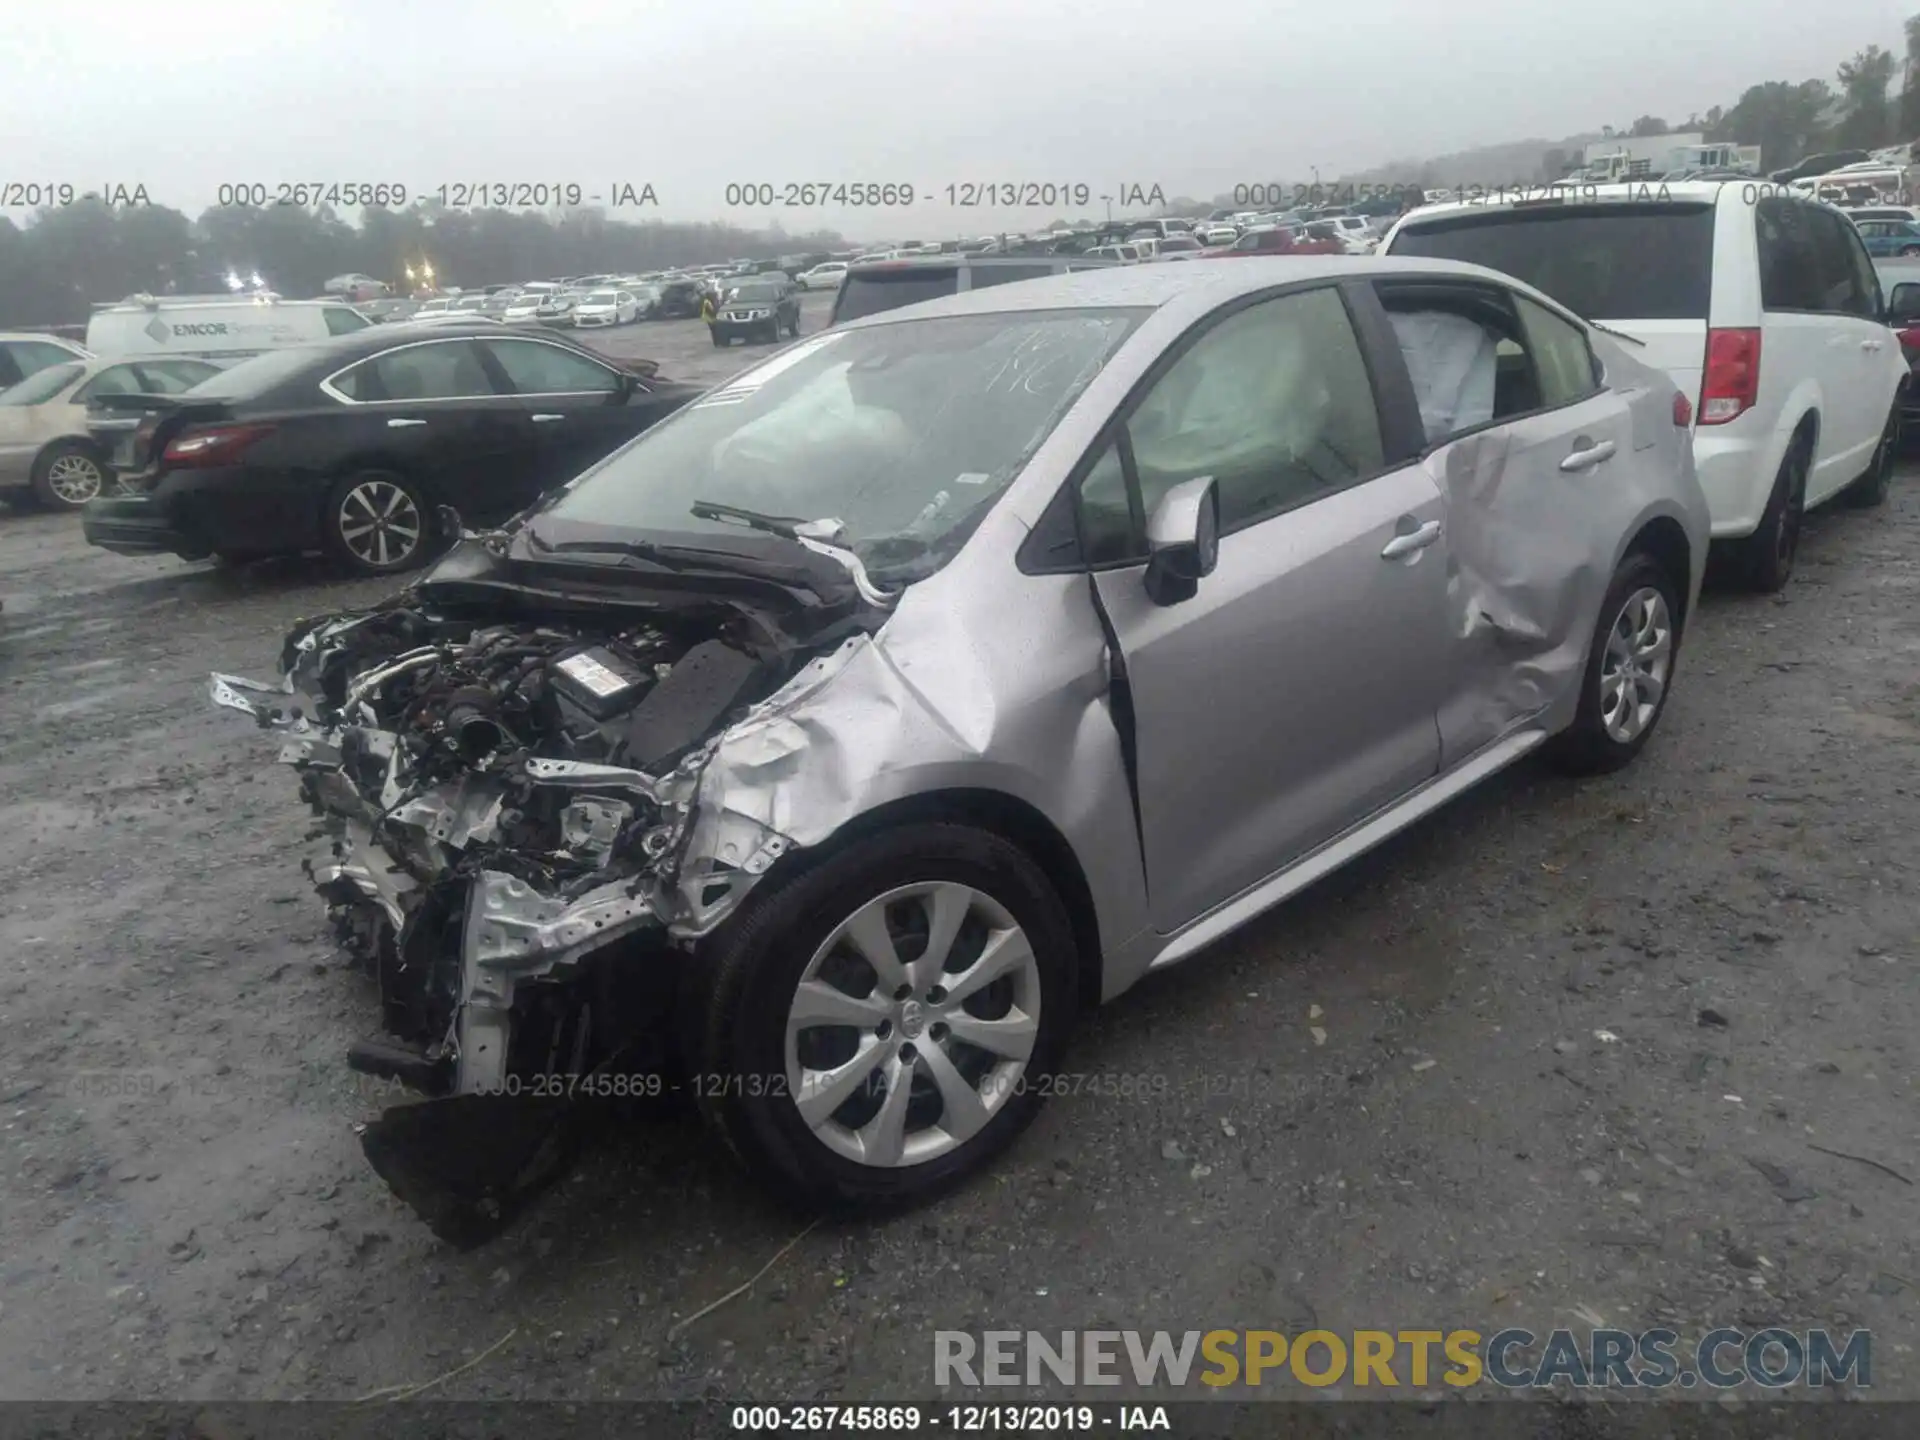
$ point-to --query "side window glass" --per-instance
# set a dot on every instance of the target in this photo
(1274, 403)
(450, 370)
(537, 369)
(1866, 280)
(1562, 358)
(1107, 531)
(1789, 268)
(1838, 288)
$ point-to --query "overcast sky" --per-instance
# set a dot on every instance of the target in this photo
(687, 96)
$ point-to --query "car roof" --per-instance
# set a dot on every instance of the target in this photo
(375, 338)
(1196, 285)
(1545, 198)
(80, 351)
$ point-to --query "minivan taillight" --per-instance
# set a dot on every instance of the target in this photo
(213, 445)
(1730, 383)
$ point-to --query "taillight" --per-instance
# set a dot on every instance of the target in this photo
(1682, 409)
(1910, 337)
(1731, 381)
(214, 445)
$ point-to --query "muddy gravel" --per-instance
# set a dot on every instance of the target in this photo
(1563, 1052)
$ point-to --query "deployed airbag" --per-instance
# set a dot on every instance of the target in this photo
(1453, 365)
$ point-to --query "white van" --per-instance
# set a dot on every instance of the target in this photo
(220, 328)
(1763, 306)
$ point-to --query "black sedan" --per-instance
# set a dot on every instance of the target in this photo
(351, 445)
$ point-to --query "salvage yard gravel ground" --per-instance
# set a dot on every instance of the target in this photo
(1638, 1049)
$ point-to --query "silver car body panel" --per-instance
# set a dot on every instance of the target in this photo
(1311, 698)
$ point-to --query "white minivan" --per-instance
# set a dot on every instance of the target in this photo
(1764, 307)
(220, 328)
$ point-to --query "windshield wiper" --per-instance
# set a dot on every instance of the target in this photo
(823, 537)
(784, 525)
(639, 549)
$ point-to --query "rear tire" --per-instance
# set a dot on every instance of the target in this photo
(739, 1016)
(68, 474)
(376, 523)
(1766, 556)
(1872, 488)
(1634, 646)
(1910, 249)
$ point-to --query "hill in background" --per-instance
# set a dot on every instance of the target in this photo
(1517, 162)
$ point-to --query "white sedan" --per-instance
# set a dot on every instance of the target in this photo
(48, 455)
(824, 276)
(606, 307)
(521, 311)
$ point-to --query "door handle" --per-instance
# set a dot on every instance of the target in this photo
(543, 419)
(1870, 344)
(1585, 457)
(403, 424)
(1412, 540)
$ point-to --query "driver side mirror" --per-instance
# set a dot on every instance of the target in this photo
(1183, 540)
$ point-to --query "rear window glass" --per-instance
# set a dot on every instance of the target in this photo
(1607, 262)
(259, 374)
(985, 275)
(868, 292)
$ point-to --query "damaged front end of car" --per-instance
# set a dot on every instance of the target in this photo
(521, 822)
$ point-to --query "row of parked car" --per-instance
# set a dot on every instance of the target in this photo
(1646, 270)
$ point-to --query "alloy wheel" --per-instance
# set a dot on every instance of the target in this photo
(912, 1024)
(75, 478)
(1634, 670)
(380, 524)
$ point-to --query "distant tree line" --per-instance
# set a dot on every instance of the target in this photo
(1789, 120)
(53, 267)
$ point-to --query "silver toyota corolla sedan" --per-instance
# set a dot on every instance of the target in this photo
(825, 750)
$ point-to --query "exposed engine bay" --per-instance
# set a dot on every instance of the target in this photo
(512, 824)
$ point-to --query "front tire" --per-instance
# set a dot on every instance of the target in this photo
(376, 523)
(873, 1028)
(1629, 670)
(68, 474)
(1766, 556)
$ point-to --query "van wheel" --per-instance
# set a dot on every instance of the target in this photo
(376, 522)
(1766, 556)
(1872, 488)
(877, 1026)
(68, 474)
